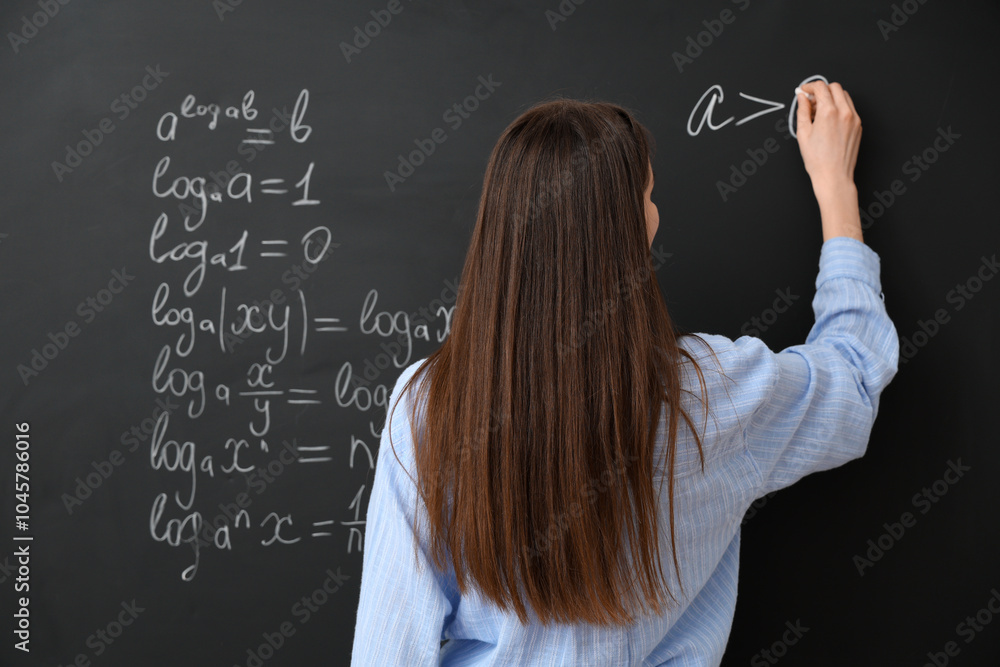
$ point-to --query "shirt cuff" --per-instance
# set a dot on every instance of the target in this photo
(846, 257)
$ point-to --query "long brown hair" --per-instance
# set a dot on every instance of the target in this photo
(535, 453)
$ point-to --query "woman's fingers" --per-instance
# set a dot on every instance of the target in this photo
(839, 101)
(804, 115)
(819, 90)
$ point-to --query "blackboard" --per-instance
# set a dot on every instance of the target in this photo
(342, 147)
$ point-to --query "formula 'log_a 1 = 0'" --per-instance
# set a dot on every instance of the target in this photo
(315, 243)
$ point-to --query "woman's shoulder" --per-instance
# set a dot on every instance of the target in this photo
(740, 359)
(738, 374)
(406, 374)
(399, 404)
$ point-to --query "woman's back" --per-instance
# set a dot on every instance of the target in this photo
(771, 419)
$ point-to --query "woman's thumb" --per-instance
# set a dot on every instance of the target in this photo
(803, 115)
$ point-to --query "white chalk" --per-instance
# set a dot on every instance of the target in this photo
(811, 97)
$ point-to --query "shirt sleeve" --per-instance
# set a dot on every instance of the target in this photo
(822, 397)
(404, 600)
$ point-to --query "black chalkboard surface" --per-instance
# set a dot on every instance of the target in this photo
(226, 225)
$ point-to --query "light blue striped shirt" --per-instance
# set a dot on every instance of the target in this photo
(782, 416)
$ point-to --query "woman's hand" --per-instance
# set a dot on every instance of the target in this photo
(829, 132)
